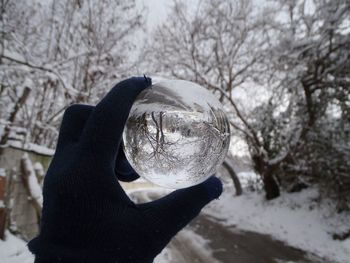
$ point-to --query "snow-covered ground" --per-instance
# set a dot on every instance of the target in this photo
(198, 246)
(298, 219)
(14, 250)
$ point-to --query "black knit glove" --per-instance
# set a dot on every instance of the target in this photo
(87, 217)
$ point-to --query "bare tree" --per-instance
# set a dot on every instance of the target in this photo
(296, 54)
(217, 45)
(71, 51)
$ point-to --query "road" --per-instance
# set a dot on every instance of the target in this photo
(207, 240)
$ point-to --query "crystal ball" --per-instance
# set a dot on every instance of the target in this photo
(177, 134)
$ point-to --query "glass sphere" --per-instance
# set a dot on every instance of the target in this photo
(177, 134)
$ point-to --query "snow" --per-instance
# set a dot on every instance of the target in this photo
(346, 244)
(197, 244)
(33, 184)
(14, 250)
(13, 55)
(32, 147)
(247, 177)
(38, 167)
(278, 158)
(299, 219)
(296, 219)
(16, 138)
(28, 83)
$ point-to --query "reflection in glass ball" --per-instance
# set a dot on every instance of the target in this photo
(177, 134)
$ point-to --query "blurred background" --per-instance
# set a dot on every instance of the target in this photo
(281, 68)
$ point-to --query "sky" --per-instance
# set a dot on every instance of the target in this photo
(157, 11)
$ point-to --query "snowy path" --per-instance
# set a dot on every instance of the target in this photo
(231, 244)
(206, 240)
(222, 244)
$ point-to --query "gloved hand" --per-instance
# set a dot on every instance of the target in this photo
(87, 217)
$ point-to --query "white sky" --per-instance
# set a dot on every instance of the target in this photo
(157, 11)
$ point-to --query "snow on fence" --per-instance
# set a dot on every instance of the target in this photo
(20, 205)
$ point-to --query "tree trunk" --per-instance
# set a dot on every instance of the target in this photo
(270, 186)
(266, 171)
(234, 177)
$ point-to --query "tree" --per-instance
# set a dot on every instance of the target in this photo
(309, 103)
(67, 51)
(318, 55)
(219, 46)
(294, 52)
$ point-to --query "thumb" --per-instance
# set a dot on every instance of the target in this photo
(173, 212)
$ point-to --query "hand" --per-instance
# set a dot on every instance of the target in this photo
(87, 217)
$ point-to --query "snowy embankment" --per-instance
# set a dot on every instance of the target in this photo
(299, 219)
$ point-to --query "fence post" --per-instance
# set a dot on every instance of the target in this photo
(2, 203)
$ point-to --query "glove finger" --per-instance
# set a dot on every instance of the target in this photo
(123, 169)
(106, 123)
(73, 127)
(173, 212)
(73, 123)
